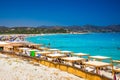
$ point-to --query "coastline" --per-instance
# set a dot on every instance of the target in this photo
(24, 36)
(96, 47)
(92, 52)
(35, 35)
(42, 34)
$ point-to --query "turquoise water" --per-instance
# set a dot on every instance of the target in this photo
(104, 44)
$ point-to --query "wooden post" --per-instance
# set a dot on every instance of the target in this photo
(97, 70)
(85, 72)
(112, 70)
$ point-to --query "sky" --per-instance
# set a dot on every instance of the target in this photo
(59, 12)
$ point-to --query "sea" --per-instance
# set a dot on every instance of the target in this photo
(102, 44)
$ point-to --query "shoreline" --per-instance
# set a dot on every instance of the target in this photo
(41, 34)
(33, 35)
(93, 50)
(24, 36)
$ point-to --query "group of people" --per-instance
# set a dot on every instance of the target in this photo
(12, 38)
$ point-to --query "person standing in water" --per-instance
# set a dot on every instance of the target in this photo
(48, 45)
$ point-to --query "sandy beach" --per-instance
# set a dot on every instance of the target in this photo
(12, 68)
(17, 69)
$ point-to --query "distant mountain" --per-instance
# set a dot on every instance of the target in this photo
(115, 28)
(3, 27)
(92, 28)
(58, 29)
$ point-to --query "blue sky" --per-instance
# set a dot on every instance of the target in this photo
(59, 12)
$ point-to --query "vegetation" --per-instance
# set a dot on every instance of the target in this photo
(30, 30)
(58, 29)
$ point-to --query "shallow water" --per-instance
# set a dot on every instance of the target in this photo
(105, 44)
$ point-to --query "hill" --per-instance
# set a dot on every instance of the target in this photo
(58, 29)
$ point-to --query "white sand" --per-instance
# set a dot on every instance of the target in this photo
(16, 69)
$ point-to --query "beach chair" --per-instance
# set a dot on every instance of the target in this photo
(90, 69)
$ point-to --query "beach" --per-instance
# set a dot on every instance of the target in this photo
(17, 69)
(22, 64)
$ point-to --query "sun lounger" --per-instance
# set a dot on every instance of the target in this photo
(90, 69)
